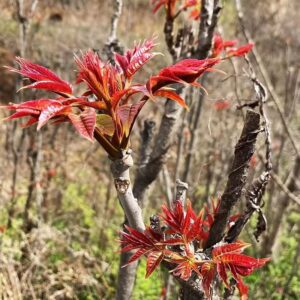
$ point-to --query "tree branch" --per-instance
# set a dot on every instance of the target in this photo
(237, 176)
(120, 170)
(210, 11)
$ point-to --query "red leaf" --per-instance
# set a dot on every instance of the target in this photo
(158, 4)
(243, 289)
(45, 79)
(184, 72)
(243, 260)
(135, 256)
(153, 260)
(221, 105)
(222, 273)
(241, 51)
(171, 95)
(21, 114)
(237, 247)
(134, 59)
(183, 270)
(85, 123)
(134, 239)
(128, 114)
(220, 45)
(208, 272)
(50, 112)
(57, 87)
(99, 77)
(32, 108)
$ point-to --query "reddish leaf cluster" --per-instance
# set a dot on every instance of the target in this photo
(182, 244)
(106, 110)
(221, 104)
(228, 47)
(174, 7)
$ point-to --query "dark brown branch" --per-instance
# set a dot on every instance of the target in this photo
(255, 193)
(237, 176)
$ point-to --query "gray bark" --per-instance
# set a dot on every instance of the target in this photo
(120, 170)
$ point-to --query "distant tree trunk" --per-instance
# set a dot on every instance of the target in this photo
(281, 207)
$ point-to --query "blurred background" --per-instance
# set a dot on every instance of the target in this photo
(59, 215)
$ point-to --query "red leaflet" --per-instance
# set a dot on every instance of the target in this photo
(185, 72)
(134, 59)
(177, 220)
(219, 45)
(241, 51)
(196, 8)
(127, 115)
(208, 272)
(221, 105)
(157, 4)
(103, 80)
(84, 123)
(172, 96)
(52, 111)
(140, 240)
(170, 7)
(153, 261)
(146, 243)
(39, 110)
(43, 77)
(237, 247)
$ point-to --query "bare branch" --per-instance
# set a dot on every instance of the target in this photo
(237, 176)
